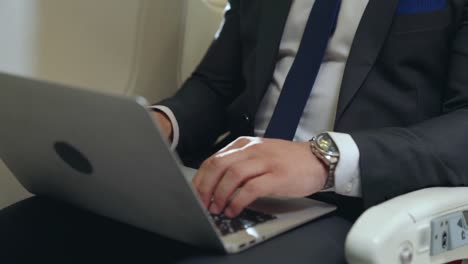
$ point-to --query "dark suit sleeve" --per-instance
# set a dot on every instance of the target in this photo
(395, 161)
(200, 105)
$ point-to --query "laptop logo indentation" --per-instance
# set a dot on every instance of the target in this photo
(74, 158)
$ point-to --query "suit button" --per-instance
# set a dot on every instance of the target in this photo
(246, 118)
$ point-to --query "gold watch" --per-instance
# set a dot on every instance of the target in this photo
(325, 149)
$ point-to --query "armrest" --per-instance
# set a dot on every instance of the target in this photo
(426, 226)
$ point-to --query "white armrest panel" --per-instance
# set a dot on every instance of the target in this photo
(422, 227)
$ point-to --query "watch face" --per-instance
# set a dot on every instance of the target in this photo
(326, 144)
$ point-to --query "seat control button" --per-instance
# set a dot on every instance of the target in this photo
(406, 254)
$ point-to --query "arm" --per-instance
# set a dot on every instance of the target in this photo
(200, 105)
(392, 161)
(432, 153)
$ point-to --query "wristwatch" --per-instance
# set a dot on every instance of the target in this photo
(325, 149)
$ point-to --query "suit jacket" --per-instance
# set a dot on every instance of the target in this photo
(404, 96)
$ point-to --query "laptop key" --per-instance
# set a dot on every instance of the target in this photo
(247, 219)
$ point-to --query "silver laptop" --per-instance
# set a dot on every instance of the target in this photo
(105, 154)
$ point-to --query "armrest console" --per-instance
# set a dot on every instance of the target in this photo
(426, 226)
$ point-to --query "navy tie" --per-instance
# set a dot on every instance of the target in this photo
(303, 73)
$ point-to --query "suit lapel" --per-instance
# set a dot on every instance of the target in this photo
(370, 37)
(270, 31)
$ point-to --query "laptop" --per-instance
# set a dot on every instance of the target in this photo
(105, 154)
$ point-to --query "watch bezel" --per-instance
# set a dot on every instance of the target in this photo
(329, 153)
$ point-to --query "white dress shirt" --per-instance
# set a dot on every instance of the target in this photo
(319, 114)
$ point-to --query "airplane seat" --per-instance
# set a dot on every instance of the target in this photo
(115, 46)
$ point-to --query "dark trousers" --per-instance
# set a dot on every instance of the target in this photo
(40, 230)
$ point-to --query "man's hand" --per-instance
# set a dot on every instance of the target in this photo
(164, 123)
(251, 168)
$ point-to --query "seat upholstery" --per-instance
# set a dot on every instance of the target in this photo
(202, 20)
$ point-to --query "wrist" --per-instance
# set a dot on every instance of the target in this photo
(323, 172)
(165, 124)
(317, 168)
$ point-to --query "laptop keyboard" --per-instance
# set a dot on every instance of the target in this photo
(247, 219)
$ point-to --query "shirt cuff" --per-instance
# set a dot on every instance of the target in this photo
(347, 172)
(174, 123)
